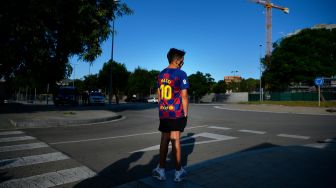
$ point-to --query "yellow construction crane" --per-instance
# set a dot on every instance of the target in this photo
(268, 5)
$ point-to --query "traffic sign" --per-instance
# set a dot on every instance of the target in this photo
(319, 81)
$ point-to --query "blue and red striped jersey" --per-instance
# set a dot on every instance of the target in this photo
(171, 82)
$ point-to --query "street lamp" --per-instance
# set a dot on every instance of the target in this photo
(233, 80)
(235, 71)
(260, 91)
(111, 92)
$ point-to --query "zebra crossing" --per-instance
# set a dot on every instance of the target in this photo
(25, 154)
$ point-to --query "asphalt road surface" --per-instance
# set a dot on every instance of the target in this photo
(127, 149)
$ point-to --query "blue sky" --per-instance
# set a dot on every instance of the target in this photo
(219, 36)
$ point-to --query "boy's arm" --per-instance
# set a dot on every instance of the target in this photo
(185, 101)
(158, 94)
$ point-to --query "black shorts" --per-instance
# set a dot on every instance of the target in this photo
(168, 125)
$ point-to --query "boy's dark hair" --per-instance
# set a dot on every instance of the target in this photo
(174, 54)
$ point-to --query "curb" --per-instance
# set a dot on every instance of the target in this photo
(57, 123)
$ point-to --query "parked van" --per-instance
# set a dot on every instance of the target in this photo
(66, 95)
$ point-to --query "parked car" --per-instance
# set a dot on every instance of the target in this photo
(66, 95)
(96, 98)
(152, 100)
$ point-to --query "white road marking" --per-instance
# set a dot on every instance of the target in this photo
(222, 128)
(10, 133)
(263, 111)
(19, 138)
(294, 136)
(23, 147)
(326, 143)
(251, 131)
(318, 145)
(30, 160)
(213, 137)
(114, 137)
(51, 179)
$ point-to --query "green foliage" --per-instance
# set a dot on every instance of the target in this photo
(140, 82)
(120, 77)
(302, 58)
(219, 87)
(37, 37)
(248, 85)
(153, 80)
(200, 84)
(91, 82)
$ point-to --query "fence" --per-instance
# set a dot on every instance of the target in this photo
(287, 96)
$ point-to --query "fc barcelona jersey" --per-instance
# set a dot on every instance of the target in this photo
(171, 82)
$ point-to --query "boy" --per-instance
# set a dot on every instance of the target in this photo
(173, 111)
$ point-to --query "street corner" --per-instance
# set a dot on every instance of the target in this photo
(62, 118)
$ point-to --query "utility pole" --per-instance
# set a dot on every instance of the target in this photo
(260, 88)
(112, 49)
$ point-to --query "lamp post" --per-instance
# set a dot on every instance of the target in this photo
(260, 89)
(235, 71)
(234, 77)
(111, 92)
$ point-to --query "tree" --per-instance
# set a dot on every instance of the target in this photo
(153, 79)
(120, 77)
(248, 85)
(91, 82)
(219, 87)
(38, 37)
(200, 84)
(301, 58)
(140, 82)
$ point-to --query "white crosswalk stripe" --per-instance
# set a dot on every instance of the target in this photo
(251, 131)
(47, 179)
(51, 179)
(294, 136)
(18, 138)
(30, 160)
(10, 133)
(23, 147)
(216, 127)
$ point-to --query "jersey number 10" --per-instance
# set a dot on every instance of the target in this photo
(166, 92)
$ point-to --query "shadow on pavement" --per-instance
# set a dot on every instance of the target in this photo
(260, 146)
(121, 171)
(271, 166)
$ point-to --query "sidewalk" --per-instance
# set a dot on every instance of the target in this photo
(14, 116)
(278, 109)
(307, 166)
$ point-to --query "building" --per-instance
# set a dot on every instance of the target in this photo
(230, 79)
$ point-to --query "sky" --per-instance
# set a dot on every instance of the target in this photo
(220, 37)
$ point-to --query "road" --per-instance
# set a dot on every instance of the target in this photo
(127, 149)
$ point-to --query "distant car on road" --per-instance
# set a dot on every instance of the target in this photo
(96, 98)
(152, 100)
(66, 95)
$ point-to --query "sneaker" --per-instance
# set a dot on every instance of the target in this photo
(159, 173)
(180, 175)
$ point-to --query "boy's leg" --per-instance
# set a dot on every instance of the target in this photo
(175, 138)
(165, 138)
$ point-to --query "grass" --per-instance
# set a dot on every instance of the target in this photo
(69, 113)
(296, 103)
